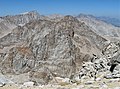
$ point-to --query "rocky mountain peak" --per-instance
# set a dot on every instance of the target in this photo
(49, 46)
(69, 22)
(81, 15)
(23, 18)
(100, 27)
(69, 18)
(31, 12)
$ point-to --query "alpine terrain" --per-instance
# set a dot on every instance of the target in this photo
(58, 52)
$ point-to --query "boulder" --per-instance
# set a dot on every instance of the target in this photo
(40, 77)
(89, 82)
(28, 84)
(4, 81)
(2, 84)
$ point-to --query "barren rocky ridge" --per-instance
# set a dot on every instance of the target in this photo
(46, 47)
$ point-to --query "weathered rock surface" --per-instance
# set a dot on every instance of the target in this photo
(100, 27)
(6, 27)
(28, 84)
(23, 18)
(4, 80)
(112, 52)
(48, 47)
(55, 46)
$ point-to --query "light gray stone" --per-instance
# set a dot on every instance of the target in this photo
(2, 84)
(89, 82)
(117, 88)
(28, 84)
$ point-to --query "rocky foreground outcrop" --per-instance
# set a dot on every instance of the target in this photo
(42, 49)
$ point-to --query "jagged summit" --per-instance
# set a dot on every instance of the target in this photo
(43, 45)
(34, 12)
(30, 12)
(85, 15)
(70, 18)
(22, 19)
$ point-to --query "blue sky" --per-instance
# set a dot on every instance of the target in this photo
(95, 7)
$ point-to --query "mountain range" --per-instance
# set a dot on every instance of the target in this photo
(60, 44)
(113, 21)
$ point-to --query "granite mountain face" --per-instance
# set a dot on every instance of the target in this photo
(51, 44)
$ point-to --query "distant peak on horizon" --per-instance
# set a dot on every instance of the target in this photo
(86, 15)
(35, 12)
(30, 12)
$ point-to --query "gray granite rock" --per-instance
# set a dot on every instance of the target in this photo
(47, 48)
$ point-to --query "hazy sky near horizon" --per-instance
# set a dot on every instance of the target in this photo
(95, 7)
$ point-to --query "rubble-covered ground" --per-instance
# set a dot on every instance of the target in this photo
(94, 74)
(100, 83)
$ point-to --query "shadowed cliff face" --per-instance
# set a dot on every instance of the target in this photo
(59, 46)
